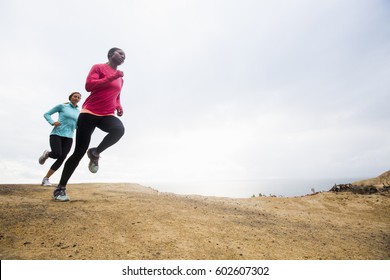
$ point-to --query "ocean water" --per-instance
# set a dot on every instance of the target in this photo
(248, 188)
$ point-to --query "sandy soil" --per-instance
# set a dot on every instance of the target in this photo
(128, 221)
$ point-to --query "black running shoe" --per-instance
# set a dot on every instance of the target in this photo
(93, 165)
(59, 194)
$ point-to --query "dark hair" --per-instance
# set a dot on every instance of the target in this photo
(111, 52)
(76, 92)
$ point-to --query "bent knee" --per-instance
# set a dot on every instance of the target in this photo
(118, 130)
(55, 155)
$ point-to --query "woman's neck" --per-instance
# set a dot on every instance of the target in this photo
(112, 65)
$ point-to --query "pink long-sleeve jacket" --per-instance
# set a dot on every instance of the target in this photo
(105, 85)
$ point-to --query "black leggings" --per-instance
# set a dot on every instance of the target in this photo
(86, 125)
(60, 147)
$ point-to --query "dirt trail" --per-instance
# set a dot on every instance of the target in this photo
(128, 221)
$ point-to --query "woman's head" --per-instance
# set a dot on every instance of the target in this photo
(116, 56)
(111, 52)
(75, 97)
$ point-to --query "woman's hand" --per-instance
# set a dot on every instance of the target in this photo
(119, 111)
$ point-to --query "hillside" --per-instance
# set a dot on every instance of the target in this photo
(129, 221)
(382, 180)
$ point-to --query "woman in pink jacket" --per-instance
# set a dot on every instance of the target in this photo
(104, 82)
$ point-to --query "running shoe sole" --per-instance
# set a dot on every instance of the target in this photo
(93, 165)
(61, 198)
(43, 157)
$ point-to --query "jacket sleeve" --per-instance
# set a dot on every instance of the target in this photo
(95, 79)
(52, 111)
(118, 100)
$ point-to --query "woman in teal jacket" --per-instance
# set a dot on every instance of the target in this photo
(61, 137)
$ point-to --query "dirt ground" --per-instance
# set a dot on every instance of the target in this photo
(129, 221)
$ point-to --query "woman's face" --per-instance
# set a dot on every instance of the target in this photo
(118, 57)
(75, 98)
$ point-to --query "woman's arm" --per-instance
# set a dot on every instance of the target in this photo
(119, 108)
(52, 111)
(94, 81)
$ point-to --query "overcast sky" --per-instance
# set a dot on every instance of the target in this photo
(214, 89)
